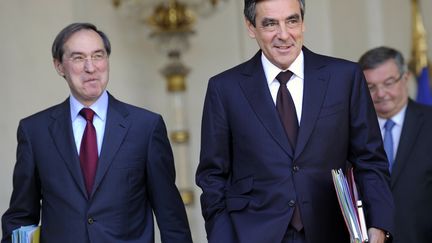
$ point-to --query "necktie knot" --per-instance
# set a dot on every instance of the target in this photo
(284, 77)
(389, 124)
(87, 113)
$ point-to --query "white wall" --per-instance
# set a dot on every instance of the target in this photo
(29, 83)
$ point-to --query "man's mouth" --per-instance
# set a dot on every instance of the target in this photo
(90, 80)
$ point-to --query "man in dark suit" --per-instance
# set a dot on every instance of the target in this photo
(109, 199)
(267, 181)
(409, 149)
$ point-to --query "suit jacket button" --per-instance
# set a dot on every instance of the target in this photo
(291, 203)
(296, 168)
(90, 220)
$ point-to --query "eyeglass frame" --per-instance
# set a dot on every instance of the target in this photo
(387, 85)
(80, 59)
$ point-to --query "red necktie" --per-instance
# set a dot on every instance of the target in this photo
(287, 113)
(89, 150)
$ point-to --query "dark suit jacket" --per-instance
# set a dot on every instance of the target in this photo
(249, 173)
(411, 180)
(135, 178)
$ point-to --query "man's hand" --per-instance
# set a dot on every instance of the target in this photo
(376, 235)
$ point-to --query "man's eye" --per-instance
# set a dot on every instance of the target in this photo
(293, 22)
(269, 24)
(77, 58)
(389, 83)
(98, 56)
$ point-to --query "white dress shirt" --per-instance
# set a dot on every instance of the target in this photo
(294, 85)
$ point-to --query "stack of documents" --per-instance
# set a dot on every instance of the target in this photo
(351, 206)
(26, 234)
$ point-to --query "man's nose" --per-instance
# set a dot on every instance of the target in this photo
(380, 92)
(283, 31)
(89, 66)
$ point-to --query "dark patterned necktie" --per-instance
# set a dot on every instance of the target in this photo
(286, 109)
(287, 113)
(89, 150)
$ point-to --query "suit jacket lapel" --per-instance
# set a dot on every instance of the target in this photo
(62, 134)
(410, 130)
(116, 128)
(256, 90)
(315, 88)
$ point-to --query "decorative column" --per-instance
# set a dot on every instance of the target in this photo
(419, 63)
(172, 23)
(419, 58)
(175, 74)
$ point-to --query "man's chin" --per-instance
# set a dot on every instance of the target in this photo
(383, 113)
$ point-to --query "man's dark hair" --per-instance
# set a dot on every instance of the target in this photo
(57, 48)
(250, 10)
(379, 55)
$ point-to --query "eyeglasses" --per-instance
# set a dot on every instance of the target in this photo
(387, 85)
(96, 58)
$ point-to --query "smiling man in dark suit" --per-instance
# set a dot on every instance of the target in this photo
(94, 169)
(409, 149)
(267, 149)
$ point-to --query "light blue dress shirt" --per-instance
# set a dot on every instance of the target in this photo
(100, 107)
(398, 119)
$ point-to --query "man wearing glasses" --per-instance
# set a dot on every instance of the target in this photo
(406, 127)
(94, 169)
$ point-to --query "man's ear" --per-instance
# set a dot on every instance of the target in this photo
(59, 67)
(409, 75)
(251, 29)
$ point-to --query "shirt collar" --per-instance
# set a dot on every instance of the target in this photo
(271, 71)
(398, 118)
(100, 107)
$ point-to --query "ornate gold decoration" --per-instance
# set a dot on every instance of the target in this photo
(172, 17)
(172, 23)
(175, 73)
(187, 196)
(116, 3)
(419, 58)
(179, 136)
(176, 83)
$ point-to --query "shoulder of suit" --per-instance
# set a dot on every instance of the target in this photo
(425, 109)
(245, 68)
(55, 110)
(231, 72)
(333, 60)
(316, 60)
